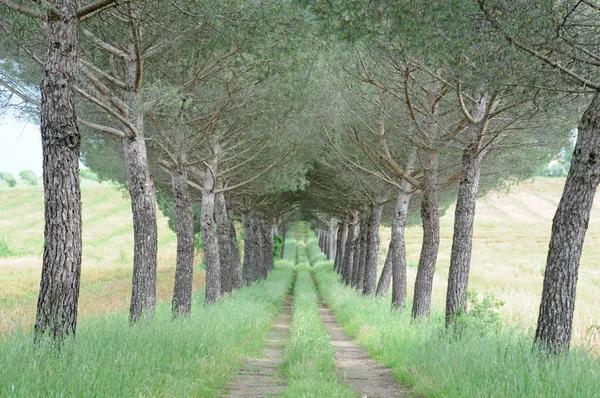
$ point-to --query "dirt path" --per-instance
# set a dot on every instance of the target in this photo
(365, 375)
(261, 376)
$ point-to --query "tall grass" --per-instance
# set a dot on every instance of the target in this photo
(291, 248)
(184, 358)
(309, 364)
(314, 252)
(477, 363)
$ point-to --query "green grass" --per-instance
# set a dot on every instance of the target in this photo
(494, 362)
(184, 358)
(309, 364)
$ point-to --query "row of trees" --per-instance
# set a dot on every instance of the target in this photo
(343, 113)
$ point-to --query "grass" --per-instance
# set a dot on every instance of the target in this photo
(480, 362)
(183, 358)
(510, 243)
(308, 363)
(107, 253)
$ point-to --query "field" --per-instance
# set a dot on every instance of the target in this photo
(107, 253)
(511, 236)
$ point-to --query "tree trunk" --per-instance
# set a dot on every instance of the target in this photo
(143, 204)
(229, 254)
(399, 247)
(61, 267)
(464, 215)
(269, 243)
(332, 242)
(569, 226)
(358, 254)
(341, 249)
(283, 237)
(371, 260)
(208, 228)
(431, 238)
(364, 241)
(383, 286)
(184, 217)
(249, 273)
(348, 267)
(462, 240)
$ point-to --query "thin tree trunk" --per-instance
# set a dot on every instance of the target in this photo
(283, 237)
(143, 204)
(249, 273)
(208, 228)
(341, 250)
(184, 217)
(235, 250)
(331, 244)
(431, 238)
(399, 247)
(383, 286)
(371, 260)
(364, 241)
(569, 226)
(358, 253)
(269, 240)
(462, 240)
(229, 255)
(348, 267)
(61, 267)
(464, 216)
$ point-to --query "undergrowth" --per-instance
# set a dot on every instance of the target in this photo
(483, 360)
(108, 358)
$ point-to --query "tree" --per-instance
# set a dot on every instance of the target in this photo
(559, 35)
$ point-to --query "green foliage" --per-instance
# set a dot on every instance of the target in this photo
(483, 362)
(309, 363)
(291, 250)
(198, 245)
(5, 250)
(314, 252)
(9, 178)
(482, 312)
(277, 244)
(191, 357)
(166, 204)
(28, 176)
(89, 175)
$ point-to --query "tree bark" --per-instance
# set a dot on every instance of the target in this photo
(462, 240)
(229, 253)
(399, 247)
(383, 286)
(143, 202)
(331, 244)
(569, 226)
(431, 237)
(208, 228)
(364, 240)
(61, 267)
(341, 250)
(184, 217)
(464, 215)
(250, 249)
(348, 267)
(371, 259)
(358, 253)
(283, 237)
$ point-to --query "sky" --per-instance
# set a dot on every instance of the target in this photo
(20, 146)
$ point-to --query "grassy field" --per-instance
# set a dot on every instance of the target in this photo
(107, 253)
(511, 236)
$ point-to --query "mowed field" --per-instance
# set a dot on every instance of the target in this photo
(107, 253)
(511, 237)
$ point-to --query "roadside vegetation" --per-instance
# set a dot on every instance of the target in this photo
(484, 359)
(193, 357)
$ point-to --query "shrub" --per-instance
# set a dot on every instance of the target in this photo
(9, 178)
(28, 176)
